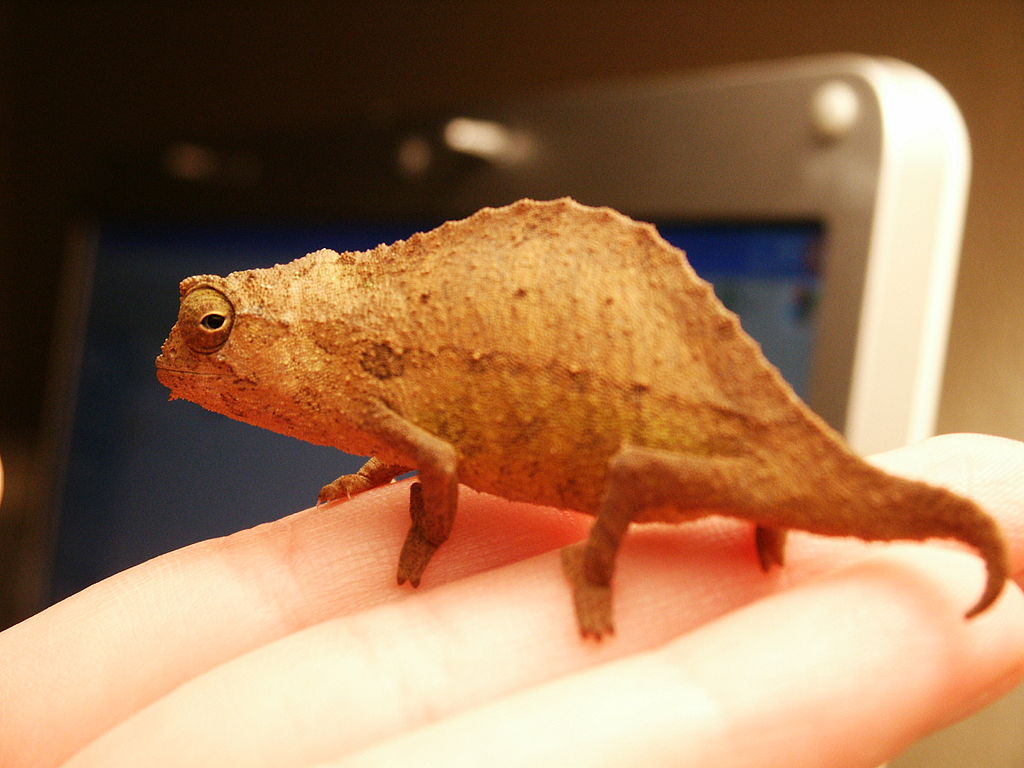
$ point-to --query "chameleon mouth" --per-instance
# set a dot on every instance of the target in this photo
(167, 369)
(180, 380)
(165, 364)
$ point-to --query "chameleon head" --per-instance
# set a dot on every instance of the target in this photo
(221, 352)
(191, 362)
(242, 347)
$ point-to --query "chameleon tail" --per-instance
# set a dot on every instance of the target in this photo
(956, 517)
(872, 504)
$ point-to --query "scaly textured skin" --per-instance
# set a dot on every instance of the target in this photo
(546, 352)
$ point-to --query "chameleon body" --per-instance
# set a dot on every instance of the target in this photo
(546, 352)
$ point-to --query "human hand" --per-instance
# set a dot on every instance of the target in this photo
(290, 644)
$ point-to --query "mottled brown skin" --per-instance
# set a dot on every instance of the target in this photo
(546, 352)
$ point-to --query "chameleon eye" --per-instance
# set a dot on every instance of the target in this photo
(205, 319)
(213, 321)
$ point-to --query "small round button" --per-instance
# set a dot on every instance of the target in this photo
(834, 110)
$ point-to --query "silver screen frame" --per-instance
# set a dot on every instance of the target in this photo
(873, 149)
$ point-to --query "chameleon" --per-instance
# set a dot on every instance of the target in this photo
(547, 352)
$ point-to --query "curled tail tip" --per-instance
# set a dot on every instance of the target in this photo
(993, 589)
(986, 600)
(946, 514)
(984, 535)
(996, 562)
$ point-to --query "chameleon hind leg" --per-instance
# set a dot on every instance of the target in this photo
(640, 479)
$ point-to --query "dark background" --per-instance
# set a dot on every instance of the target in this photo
(82, 83)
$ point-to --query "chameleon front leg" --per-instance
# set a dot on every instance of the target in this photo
(426, 534)
(432, 500)
(372, 474)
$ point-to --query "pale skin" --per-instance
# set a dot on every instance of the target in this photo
(291, 645)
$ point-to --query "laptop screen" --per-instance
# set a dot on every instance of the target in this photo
(145, 476)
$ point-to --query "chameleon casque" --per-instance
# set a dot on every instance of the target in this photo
(546, 352)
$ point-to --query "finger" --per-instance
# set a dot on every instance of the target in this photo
(847, 670)
(345, 682)
(81, 666)
(227, 617)
(368, 676)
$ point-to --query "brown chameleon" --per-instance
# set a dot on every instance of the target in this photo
(546, 352)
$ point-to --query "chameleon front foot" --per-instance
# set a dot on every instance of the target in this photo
(593, 602)
(345, 487)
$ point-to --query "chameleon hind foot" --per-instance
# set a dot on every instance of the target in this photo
(771, 546)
